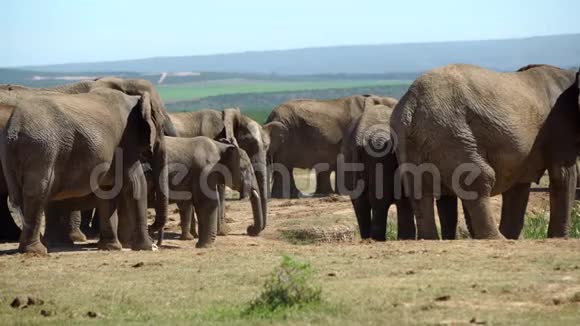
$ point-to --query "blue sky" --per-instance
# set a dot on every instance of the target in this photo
(60, 31)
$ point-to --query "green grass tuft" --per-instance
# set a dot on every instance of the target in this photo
(536, 225)
(288, 286)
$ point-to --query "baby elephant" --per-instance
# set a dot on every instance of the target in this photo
(197, 166)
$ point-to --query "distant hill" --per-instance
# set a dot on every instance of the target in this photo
(508, 54)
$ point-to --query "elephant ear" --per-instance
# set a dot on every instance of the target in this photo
(140, 87)
(149, 130)
(231, 119)
(231, 159)
(359, 102)
(276, 133)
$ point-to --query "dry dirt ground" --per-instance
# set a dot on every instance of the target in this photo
(411, 282)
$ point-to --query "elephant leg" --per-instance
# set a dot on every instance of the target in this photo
(30, 237)
(425, 215)
(379, 211)
(126, 223)
(108, 223)
(90, 223)
(481, 218)
(284, 188)
(362, 209)
(405, 220)
(56, 231)
(135, 198)
(223, 228)
(513, 210)
(207, 214)
(185, 210)
(323, 185)
(277, 185)
(562, 194)
(9, 231)
(447, 208)
(74, 227)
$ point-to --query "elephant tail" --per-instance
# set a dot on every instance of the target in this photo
(10, 172)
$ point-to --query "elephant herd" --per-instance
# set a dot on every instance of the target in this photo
(461, 133)
(109, 145)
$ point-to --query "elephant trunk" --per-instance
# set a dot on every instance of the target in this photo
(262, 179)
(258, 226)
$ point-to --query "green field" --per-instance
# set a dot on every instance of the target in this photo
(201, 90)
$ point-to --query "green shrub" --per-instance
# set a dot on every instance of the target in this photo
(287, 287)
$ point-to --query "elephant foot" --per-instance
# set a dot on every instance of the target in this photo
(61, 241)
(109, 245)
(77, 236)
(186, 236)
(144, 244)
(58, 243)
(223, 230)
(35, 247)
(204, 245)
(253, 231)
(323, 192)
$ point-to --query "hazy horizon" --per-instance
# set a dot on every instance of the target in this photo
(42, 33)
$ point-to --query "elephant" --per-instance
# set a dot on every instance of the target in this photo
(308, 134)
(368, 142)
(87, 141)
(11, 94)
(230, 124)
(480, 133)
(197, 167)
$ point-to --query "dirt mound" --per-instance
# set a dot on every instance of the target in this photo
(311, 235)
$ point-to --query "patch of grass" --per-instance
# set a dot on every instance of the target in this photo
(201, 90)
(575, 221)
(391, 229)
(288, 286)
(536, 224)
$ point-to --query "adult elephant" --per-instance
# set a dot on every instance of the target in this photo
(12, 94)
(308, 134)
(480, 133)
(230, 124)
(87, 141)
(371, 185)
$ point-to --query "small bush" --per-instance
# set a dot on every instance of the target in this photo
(287, 287)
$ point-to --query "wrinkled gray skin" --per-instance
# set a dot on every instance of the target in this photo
(304, 133)
(230, 124)
(510, 127)
(368, 142)
(70, 220)
(204, 161)
(77, 133)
